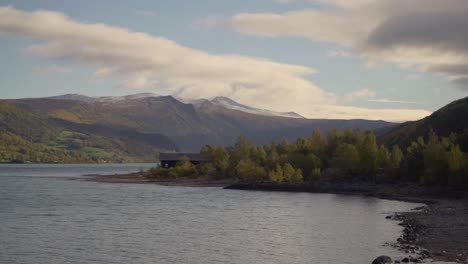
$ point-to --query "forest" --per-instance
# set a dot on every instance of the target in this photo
(344, 154)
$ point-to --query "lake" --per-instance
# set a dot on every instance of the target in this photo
(47, 216)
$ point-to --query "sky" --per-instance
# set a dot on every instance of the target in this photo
(394, 60)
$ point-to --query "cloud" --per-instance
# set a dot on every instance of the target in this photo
(391, 101)
(428, 35)
(359, 94)
(351, 112)
(338, 53)
(141, 60)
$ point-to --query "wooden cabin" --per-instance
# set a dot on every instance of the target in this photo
(170, 159)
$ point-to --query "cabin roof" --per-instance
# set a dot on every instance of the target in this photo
(179, 156)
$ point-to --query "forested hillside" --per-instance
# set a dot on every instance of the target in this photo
(452, 118)
(29, 137)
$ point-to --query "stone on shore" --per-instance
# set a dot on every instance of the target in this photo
(382, 260)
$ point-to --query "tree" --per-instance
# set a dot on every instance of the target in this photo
(272, 157)
(219, 159)
(276, 175)
(288, 172)
(243, 148)
(369, 154)
(248, 171)
(184, 168)
(283, 148)
(456, 163)
(346, 158)
(317, 142)
(384, 157)
(415, 159)
(435, 161)
(297, 176)
(334, 138)
(259, 155)
(397, 156)
(307, 163)
(315, 174)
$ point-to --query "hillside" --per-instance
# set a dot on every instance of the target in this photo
(448, 119)
(191, 125)
(26, 136)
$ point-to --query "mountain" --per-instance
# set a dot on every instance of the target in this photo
(448, 119)
(191, 125)
(104, 99)
(29, 136)
(231, 104)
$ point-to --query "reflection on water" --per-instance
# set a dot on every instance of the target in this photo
(56, 220)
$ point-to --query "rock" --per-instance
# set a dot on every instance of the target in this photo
(382, 260)
(405, 260)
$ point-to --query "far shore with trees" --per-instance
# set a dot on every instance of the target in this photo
(337, 155)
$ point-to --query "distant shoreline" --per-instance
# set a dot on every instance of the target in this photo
(438, 231)
(136, 178)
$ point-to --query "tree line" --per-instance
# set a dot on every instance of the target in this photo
(339, 154)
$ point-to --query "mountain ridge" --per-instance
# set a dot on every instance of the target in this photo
(449, 119)
(191, 125)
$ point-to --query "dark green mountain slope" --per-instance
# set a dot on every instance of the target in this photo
(450, 118)
(26, 136)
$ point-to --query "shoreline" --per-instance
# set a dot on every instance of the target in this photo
(136, 178)
(438, 231)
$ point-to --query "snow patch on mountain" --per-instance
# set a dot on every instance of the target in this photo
(219, 101)
(231, 104)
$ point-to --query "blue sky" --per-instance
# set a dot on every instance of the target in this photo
(342, 77)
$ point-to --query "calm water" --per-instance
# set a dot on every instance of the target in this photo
(46, 217)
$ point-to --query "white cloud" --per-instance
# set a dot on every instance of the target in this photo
(333, 53)
(428, 35)
(141, 60)
(351, 112)
(359, 94)
(382, 100)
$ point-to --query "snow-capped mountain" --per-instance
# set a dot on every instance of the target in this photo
(103, 99)
(231, 104)
(219, 101)
(191, 124)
